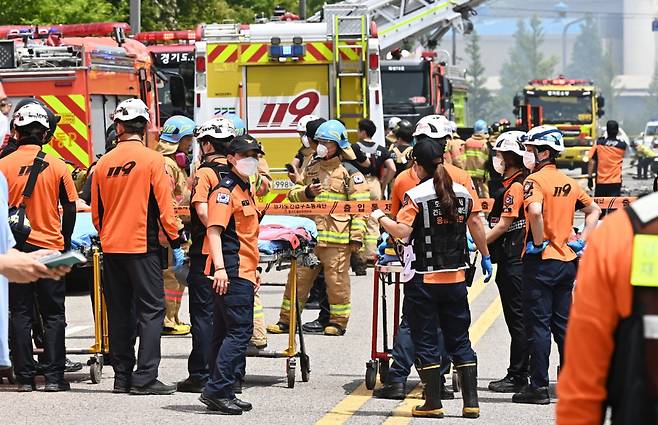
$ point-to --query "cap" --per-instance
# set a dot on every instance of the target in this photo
(312, 127)
(425, 152)
(244, 144)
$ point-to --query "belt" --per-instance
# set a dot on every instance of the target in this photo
(517, 225)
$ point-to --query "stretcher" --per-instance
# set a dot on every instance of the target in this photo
(385, 275)
(283, 256)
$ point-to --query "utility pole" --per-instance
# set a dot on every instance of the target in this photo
(302, 10)
(135, 16)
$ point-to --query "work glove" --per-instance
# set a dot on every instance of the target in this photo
(376, 215)
(531, 248)
(576, 245)
(179, 258)
(590, 183)
(487, 268)
(471, 243)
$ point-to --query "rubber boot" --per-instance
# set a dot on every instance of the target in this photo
(468, 374)
(432, 407)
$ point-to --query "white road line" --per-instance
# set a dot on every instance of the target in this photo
(72, 330)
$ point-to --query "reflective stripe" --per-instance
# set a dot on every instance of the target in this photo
(360, 196)
(285, 304)
(340, 309)
(330, 196)
(333, 237)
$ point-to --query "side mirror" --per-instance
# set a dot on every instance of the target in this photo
(600, 102)
(600, 112)
(177, 91)
(515, 111)
(516, 103)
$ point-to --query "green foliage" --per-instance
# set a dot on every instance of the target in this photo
(525, 62)
(479, 98)
(587, 56)
(56, 12)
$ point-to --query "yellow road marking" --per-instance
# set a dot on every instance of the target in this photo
(357, 398)
(402, 414)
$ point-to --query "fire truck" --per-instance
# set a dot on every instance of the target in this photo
(172, 53)
(414, 88)
(272, 74)
(573, 106)
(81, 79)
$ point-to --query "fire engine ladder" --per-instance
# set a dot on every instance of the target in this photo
(398, 20)
(350, 43)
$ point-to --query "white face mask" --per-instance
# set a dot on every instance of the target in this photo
(247, 166)
(498, 165)
(305, 142)
(321, 151)
(529, 160)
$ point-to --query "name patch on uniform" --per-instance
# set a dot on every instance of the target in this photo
(223, 198)
(358, 179)
(527, 190)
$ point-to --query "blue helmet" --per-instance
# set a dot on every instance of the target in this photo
(333, 131)
(240, 128)
(480, 127)
(175, 128)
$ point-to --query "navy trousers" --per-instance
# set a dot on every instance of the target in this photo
(547, 292)
(201, 314)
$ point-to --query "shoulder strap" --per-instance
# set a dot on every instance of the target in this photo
(643, 212)
(37, 166)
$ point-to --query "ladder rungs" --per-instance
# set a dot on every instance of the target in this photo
(349, 18)
(351, 74)
(351, 116)
(350, 46)
(351, 102)
(354, 35)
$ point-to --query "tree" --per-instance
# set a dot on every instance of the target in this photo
(56, 12)
(587, 56)
(525, 62)
(479, 98)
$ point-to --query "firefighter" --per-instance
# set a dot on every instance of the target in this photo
(454, 148)
(329, 179)
(437, 291)
(233, 241)
(378, 174)
(174, 145)
(52, 186)
(506, 241)
(131, 202)
(306, 151)
(213, 137)
(549, 261)
(400, 150)
(607, 156)
(390, 135)
(611, 343)
(476, 153)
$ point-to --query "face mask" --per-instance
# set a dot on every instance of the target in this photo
(247, 166)
(529, 160)
(498, 165)
(305, 142)
(321, 151)
(182, 159)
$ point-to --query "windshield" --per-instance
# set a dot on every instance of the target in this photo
(564, 109)
(400, 87)
(651, 130)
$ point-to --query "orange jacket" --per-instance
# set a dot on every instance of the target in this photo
(603, 297)
(131, 200)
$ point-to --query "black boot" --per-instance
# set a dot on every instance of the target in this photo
(392, 391)
(509, 384)
(468, 378)
(530, 395)
(432, 407)
(446, 393)
(358, 265)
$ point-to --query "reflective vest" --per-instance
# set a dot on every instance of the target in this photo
(438, 244)
(197, 229)
(633, 378)
(510, 244)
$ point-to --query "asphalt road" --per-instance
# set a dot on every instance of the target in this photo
(335, 393)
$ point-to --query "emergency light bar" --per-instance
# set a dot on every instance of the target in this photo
(561, 81)
(278, 51)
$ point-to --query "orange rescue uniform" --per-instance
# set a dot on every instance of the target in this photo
(609, 155)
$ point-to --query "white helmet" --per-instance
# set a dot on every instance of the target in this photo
(434, 126)
(393, 122)
(545, 135)
(32, 112)
(131, 109)
(511, 141)
(301, 124)
(217, 128)
(453, 127)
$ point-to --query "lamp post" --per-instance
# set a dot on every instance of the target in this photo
(135, 16)
(561, 9)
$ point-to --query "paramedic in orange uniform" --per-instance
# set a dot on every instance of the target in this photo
(233, 238)
(608, 155)
(549, 263)
(614, 279)
(53, 186)
(131, 201)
